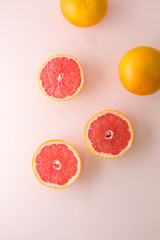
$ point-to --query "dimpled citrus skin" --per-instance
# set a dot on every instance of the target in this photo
(83, 13)
(139, 70)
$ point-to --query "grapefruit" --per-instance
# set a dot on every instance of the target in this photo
(109, 134)
(61, 77)
(56, 164)
(139, 70)
(83, 13)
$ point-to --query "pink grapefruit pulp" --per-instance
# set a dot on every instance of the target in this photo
(61, 77)
(56, 164)
(109, 134)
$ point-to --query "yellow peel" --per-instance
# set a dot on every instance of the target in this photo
(83, 13)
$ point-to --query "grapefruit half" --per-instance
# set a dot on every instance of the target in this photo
(56, 164)
(109, 134)
(61, 77)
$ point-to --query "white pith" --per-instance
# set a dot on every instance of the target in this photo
(112, 133)
(57, 163)
(102, 153)
(75, 154)
(60, 76)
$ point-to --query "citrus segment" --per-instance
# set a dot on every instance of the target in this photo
(109, 134)
(56, 164)
(61, 77)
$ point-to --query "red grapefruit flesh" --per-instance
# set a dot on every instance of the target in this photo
(61, 77)
(109, 134)
(56, 164)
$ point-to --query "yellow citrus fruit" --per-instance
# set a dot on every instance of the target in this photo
(83, 13)
(56, 164)
(109, 134)
(139, 70)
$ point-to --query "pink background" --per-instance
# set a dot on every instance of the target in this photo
(112, 199)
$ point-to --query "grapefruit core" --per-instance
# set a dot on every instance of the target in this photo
(56, 164)
(61, 77)
(109, 134)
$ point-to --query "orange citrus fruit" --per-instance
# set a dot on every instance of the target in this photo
(56, 164)
(83, 13)
(61, 77)
(109, 134)
(139, 70)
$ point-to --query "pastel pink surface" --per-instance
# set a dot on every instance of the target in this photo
(112, 199)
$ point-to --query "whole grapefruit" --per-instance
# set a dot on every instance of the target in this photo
(83, 13)
(139, 70)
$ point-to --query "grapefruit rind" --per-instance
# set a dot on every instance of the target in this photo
(52, 185)
(78, 90)
(139, 70)
(104, 155)
(83, 18)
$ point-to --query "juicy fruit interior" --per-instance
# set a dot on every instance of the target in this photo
(60, 77)
(56, 164)
(109, 134)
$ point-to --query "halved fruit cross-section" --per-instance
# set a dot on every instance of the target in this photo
(61, 77)
(56, 164)
(109, 134)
